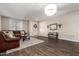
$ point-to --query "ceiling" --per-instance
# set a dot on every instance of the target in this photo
(34, 11)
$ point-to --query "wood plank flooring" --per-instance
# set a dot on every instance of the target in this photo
(50, 48)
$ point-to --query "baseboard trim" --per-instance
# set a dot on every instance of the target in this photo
(65, 39)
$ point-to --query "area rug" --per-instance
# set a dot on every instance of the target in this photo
(25, 44)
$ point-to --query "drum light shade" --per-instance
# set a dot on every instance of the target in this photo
(50, 9)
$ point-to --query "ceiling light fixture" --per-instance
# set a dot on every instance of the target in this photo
(50, 9)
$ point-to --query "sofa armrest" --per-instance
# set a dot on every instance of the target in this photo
(12, 39)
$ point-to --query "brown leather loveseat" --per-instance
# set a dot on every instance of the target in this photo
(7, 43)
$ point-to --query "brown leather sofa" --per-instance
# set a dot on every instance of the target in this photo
(7, 43)
(17, 33)
(20, 35)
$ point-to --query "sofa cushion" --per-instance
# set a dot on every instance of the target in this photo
(9, 34)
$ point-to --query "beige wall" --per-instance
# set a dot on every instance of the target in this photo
(70, 26)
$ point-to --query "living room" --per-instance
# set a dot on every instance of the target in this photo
(39, 30)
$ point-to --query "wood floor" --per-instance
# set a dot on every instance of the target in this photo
(50, 48)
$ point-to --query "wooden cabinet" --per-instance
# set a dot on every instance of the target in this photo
(53, 35)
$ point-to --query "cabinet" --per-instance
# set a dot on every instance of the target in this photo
(53, 35)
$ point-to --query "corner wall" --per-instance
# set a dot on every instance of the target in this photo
(70, 26)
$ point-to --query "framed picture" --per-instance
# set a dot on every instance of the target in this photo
(53, 26)
(35, 26)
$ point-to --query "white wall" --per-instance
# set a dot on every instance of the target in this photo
(70, 29)
(43, 29)
(43, 26)
(70, 26)
(33, 31)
